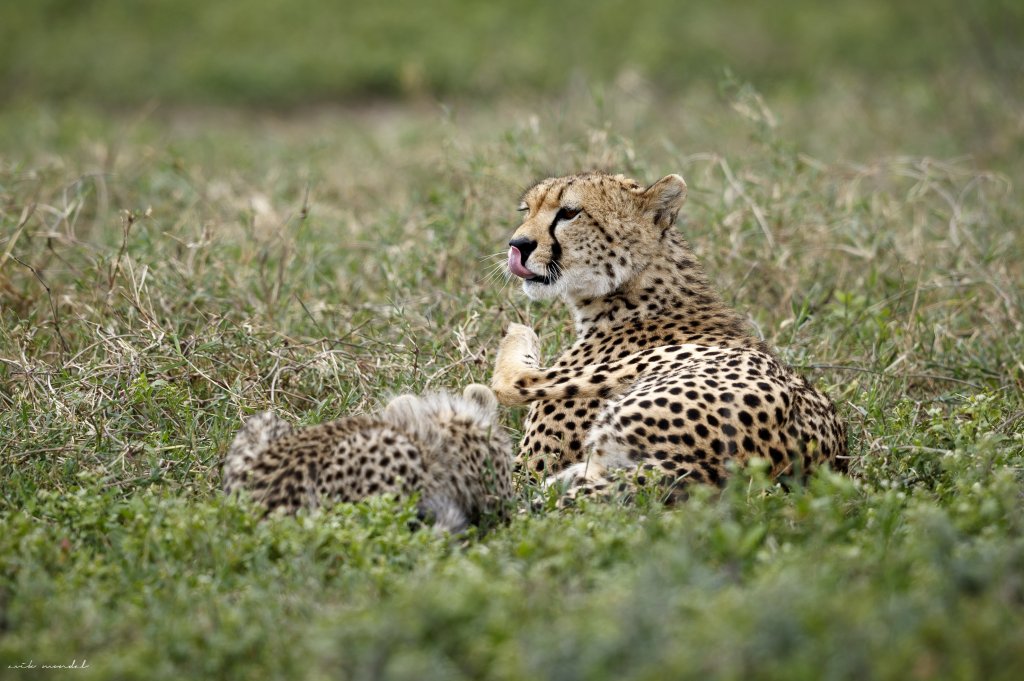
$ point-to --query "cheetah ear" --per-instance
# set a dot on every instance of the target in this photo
(415, 417)
(401, 404)
(664, 199)
(482, 396)
(403, 411)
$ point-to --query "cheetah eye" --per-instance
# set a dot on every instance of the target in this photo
(567, 213)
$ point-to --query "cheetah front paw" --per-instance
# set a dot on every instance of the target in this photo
(520, 346)
(518, 354)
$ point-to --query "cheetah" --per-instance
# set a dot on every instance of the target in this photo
(448, 449)
(663, 376)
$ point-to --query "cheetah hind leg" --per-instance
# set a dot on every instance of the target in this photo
(594, 481)
(575, 475)
(584, 479)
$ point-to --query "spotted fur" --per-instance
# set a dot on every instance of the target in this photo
(450, 450)
(663, 375)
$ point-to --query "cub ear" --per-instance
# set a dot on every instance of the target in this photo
(483, 396)
(414, 416)
(403, 410)
(664, 199)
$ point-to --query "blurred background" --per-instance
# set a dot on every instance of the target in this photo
(953, 68)
(289, 53)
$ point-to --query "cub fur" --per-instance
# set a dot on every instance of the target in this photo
(448, 449)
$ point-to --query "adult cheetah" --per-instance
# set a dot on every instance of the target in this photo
(448, 449)
(663, 375)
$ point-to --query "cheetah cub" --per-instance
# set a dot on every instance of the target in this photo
(663, 375)
(449, 449)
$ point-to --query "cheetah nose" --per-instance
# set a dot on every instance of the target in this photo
(519, 250)
(524, 245)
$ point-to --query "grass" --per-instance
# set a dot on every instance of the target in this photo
(163, 274)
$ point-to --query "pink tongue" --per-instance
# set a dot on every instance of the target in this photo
(515, 264)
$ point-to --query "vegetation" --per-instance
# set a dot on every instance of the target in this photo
(166, 270)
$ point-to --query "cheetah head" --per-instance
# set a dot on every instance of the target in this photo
(428, 418)
(585, 236)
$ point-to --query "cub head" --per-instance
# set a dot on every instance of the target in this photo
(585, 236)
(429, 418)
